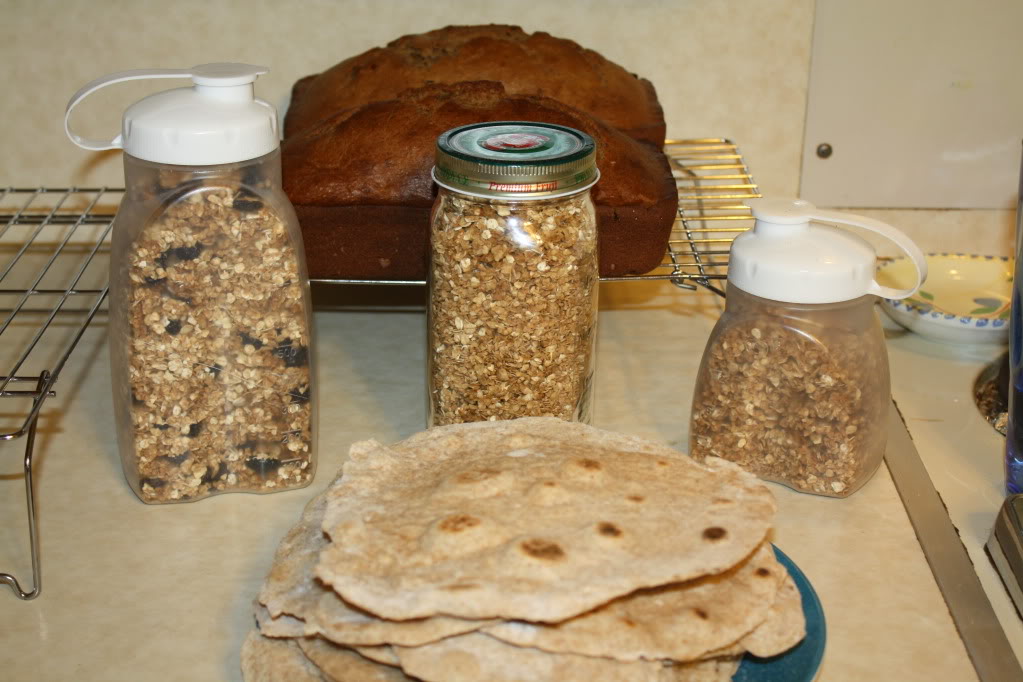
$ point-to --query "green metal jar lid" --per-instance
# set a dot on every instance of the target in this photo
(515, 159)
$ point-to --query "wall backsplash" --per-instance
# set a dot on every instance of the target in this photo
(729, 68)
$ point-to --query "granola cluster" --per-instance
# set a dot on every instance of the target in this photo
(803, 407)
(512, 309)
(218, 351)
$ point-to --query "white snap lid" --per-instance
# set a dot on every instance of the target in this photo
(217, 120)
(787, 257)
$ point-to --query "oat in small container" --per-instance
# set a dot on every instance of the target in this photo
(794, 381)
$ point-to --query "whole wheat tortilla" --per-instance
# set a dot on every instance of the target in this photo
(289, 587)
(382, 653)
(341, 664)
(297, 604)
(276, 660)
(337, 621)
(785, 626)
(710, 670)
(281, 626)
(476, 657)
(534, 519)
(682, 621)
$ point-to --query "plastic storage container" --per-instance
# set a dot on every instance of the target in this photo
(513, 274)
(210, 317)
(794, 381)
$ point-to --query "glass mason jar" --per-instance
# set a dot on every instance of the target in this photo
(513, 276)
(211, 327)
(795, 393)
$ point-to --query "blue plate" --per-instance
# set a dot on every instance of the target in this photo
(800, 663)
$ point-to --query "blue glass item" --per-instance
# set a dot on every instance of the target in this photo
(1014, 431)
(800, 663)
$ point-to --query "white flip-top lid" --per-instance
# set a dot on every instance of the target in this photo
(217, 120)
(786, 257)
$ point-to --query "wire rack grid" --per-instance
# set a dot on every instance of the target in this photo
(55, 245)
(49, 242)
(713, 182)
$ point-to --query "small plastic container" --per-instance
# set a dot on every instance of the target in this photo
(513, 274)
(210, 316)
(794, 381)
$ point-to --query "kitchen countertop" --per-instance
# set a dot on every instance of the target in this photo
(932, 383)
(137, 592)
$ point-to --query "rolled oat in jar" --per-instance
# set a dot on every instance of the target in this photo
(513, 274)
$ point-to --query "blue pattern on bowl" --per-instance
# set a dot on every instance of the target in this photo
(965, 302)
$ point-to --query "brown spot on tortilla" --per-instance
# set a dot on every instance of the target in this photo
(542, 549)
(458, 523)
(549, 484)
(714, 533)
(661, 463)
(628, 621)
(591, 464)
(763, 572)
(609, 529)
(722, 500)
(476, 476)
(455, 587)
(701, 613)
(636, 498)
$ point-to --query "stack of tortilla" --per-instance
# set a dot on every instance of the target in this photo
(525, 550)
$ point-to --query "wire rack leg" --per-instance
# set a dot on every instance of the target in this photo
(33, 536)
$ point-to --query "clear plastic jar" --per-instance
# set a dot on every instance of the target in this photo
(513, 283)
(795, 393)
(210, 322)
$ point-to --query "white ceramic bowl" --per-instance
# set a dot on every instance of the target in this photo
(965, 299)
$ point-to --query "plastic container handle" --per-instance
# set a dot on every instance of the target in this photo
(224, 74)
(885, 230)
(102, 82)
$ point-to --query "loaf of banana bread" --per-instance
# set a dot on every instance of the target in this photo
(526, 63)
(360, 181)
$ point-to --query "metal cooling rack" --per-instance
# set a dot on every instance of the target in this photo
(50, 240)
(713, 181)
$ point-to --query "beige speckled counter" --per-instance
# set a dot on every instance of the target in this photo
(136, 592)
(933, 385)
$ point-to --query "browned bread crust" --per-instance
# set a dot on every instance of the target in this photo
(526, 63)
(360, 181)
